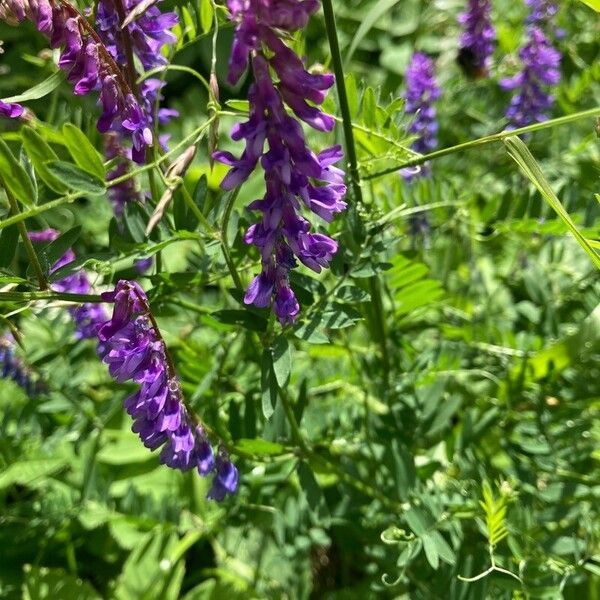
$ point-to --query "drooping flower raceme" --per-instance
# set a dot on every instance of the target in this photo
(541, 62)
(478, 40)
(147, 35)
(295, 176)
(421, 93)
(88, 317)
(132, 347)
(88, 65)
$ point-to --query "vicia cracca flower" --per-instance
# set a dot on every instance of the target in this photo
(478, 40)
(541, 63)
(88, 65)
(295, 176)
(421, 93)
(132, 347)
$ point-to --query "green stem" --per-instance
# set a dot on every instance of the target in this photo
(49, 295)
(488, 139)
(225, 239)
(338, 69)
(355, 180)
(37, 210)
(33, 257)
(291, 417)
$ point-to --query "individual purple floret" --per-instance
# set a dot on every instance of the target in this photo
(540, 70)
(132, 347)
(88, 66)
(478, 40)
(10, 111)
(88, 317)
(421, 93)
(295, 176)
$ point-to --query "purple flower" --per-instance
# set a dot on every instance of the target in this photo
(478, 40)
(421, 93)
(87, 63)
(11, 111)
(132, 347)
(295, 176)
(88, 317)
(12, 367)
(541, 63)
(540, 11)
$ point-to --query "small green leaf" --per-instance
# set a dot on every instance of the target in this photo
(595, 4)
(14, 176)
(82, 151)
(206, 15)
(258, 447)
(268, 386)
(282, 361)
(40, 153)
(76, 178)
(40, 90)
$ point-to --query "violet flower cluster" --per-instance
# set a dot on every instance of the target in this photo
(541, 62)
(541, 11)
(87, 317)
(12, 367)
(132, 347)
(295, 176)
(422, 91)
(88, 65)
(146, 36)
(478, 40)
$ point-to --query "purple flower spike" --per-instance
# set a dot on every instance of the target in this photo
(88, 317)
(87, 64)
(295, 176)
(421, 93)
(478, 40)
(541, 11)
(541, 63)
(132, 347)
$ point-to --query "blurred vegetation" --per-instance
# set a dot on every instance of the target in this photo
(449, 414)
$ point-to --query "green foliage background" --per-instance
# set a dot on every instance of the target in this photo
(445, 379)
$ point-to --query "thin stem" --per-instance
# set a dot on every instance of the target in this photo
(355, 179)
(338, 69)
(488, 139)
(33, 257)
(291, 417)
(225, 239)
(49, 295)
(127, 45)
(41, 208)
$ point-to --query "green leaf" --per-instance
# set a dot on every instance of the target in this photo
(40, 153)
(30, 473)
(595, 4)
(76, 178)
(206, 15)
(375, 13)
(268, 385)
(9, 239)
(258, 447)
(519, 152)
(431, 553)
(40, 90)
(282, 361)
(50, 584)
(14, 177)
(82, 151)
(55, 250)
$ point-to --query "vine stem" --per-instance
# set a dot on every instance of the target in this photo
(225, 239)
(355, 180)
(49, 295)
(33, 257)
(488, 139)
(338, 69)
